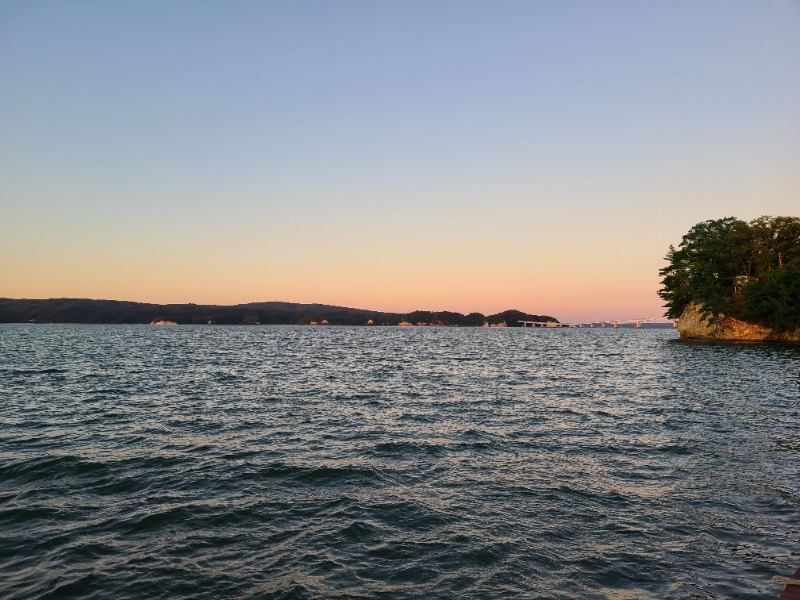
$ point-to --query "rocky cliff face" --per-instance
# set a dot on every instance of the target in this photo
(691, 325)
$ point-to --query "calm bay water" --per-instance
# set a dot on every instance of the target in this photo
(299, 462)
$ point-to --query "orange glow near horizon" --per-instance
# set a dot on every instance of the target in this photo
(475, 268)
(397, 290)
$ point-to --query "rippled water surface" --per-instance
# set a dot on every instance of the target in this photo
(291, 462)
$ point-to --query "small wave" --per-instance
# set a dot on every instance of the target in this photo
(48, 371)
(407, 449)
(606, 499)
(153, 521)
(411, 516)
(330, 475)
(25, 514)
(358, 531)
(115, 391)
(785, 445)
(49, 467)
(78, 588)
(293, 592)
(222, 376)
(322, 475)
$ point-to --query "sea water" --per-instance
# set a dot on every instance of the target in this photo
(333, 462)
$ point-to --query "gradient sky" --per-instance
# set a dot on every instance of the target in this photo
(462, 155)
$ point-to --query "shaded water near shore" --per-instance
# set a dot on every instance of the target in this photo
(291, 462)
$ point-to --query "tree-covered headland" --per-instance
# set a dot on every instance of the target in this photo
(748, 271)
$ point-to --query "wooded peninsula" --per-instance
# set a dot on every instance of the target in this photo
(733, 280)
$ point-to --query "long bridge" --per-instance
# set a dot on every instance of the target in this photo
(602, 323)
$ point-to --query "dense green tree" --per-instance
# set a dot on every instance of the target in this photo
(701, 269)
(774, 298)
(746, 270)
(475, 319)
(512, 318)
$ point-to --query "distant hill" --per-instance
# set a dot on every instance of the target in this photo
(79, 310)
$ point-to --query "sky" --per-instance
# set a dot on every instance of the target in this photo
(397, 155)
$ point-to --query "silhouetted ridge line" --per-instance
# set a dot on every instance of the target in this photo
(83, 310)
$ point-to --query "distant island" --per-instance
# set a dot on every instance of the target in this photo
(736, 281)
(78, 310)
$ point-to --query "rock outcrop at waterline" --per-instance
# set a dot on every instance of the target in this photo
(692, 325)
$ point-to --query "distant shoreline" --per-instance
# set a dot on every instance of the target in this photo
(89, 311)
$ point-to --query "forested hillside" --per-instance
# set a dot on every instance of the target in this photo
(74, 310)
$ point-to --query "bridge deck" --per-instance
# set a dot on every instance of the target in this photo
(602, 322)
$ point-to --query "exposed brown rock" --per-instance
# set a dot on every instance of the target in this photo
(693, 325)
